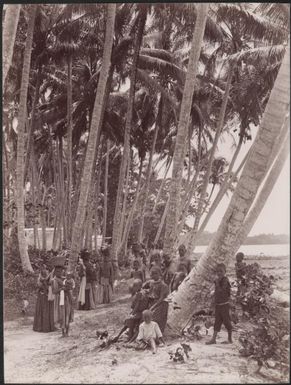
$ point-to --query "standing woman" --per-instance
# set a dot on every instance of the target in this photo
(63, 290)
(88, 275)
(106, 276)
(44, 309)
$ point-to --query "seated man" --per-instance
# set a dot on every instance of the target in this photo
(139, 304)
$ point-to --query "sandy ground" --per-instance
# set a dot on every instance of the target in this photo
(31, 357)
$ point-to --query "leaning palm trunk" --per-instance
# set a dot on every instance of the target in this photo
(264, 194)
(116, 233)
(193, 236)
(178, 157)
(26, 265)
(8, 38)
(194, 291)
(93, 135)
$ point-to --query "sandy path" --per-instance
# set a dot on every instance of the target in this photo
(31, 357)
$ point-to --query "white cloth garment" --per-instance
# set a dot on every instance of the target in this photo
(148, 331)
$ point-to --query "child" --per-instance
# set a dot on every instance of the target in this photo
(139, 304)
(149, 332)
(222, 297)
(62, 288)
(137, 272)
(183, 260)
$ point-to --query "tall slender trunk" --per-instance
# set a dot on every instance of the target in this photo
(162, 185)
(178, 157)
(105, 191)
(8, 38)
(97, 192)
(126, 150)
(124, 204)
(93, 135)
(32, 120)
(123, 246)
(199, 212)
(149, 174)
(26, 265)
(69, 148)
(161, 225)
(194, 290)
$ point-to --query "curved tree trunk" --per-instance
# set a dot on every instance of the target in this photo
(193, 233)
(194, 291)
(26, 265)
(93, 135)
(8, 37)
(264, 194)
(126, 150)
(178, 157)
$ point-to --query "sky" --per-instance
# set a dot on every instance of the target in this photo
(275, 216)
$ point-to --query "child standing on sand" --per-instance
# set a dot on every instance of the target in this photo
(222, 298)
(149, 332)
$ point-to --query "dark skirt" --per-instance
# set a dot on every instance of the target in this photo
(44, 314)
(160, 315)
(86, 305)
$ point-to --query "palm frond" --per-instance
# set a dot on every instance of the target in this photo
(161, 66)
(250, 24)
(158, 53)
(272, 54)
(153, 85)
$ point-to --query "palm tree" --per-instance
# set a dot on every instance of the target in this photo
(26, 265)
(178, 158)
(93, 135)
(9, 32)
(193, 292)
(117, 231)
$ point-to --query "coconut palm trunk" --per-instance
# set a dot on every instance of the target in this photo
(105, 192)
(69, 146)
(116, 233)
(149, 175)
(8, 38)
(178, 157)
(193, 235)
(193, 293)
(93, 135)
(26, 265)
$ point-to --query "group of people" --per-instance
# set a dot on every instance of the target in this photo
(55, 299)
(154, 275)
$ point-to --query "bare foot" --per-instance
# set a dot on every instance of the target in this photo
(226, 342)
